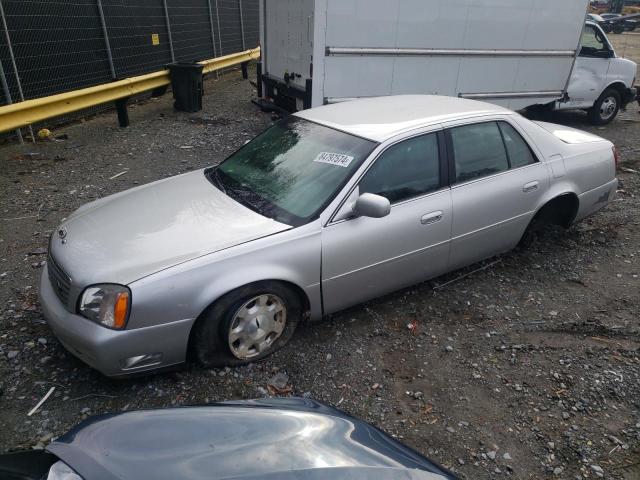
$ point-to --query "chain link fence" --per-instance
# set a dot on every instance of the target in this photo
(53, 46)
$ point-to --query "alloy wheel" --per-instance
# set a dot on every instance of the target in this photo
(256, 325)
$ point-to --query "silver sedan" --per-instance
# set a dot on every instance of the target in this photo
(328, 208)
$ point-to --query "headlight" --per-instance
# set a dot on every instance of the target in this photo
(61, 471)
(106, 304)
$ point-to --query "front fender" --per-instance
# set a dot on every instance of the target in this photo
(184, 291)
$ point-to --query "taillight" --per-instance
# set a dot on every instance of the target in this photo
(616, 156)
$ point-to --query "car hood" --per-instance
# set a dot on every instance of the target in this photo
(134, 233)
(256, 439)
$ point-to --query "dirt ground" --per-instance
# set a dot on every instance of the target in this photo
(528, 366)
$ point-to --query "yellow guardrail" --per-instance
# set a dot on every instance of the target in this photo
(28, 112)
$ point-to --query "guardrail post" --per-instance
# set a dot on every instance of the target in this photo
(15, 67)
(106, 39)
(259, 79)
(166, 18)
(123, 114)
(242, 26)
(245, 72)
(7, 95)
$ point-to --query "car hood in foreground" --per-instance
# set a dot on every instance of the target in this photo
(134, 233)
(286, 438)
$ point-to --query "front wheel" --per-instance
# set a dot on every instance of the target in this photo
(606, 107)
(246, 325)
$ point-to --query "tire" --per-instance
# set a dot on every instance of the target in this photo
(214, 344)
(534, 231)
(618, 28)
(607, 28)
(606, 107)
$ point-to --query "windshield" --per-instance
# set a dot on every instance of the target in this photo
(291, 171)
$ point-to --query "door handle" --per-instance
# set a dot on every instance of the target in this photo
(432, 217)
(530, 187)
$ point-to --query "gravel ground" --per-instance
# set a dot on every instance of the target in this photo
(527, 367)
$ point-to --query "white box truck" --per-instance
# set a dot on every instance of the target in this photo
(516, 53)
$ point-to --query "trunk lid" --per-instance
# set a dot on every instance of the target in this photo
(569, 135)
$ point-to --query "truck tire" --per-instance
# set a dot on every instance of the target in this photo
(607, 28)
(606, 107)
(618, 28)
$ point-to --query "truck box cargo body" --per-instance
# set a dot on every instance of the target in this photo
(514, 53)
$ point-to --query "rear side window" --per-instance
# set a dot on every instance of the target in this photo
(405, 170)
(517, 149)
(478, 151)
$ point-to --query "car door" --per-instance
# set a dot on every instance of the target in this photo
(366, 257)
(497, 182)
(589, 75)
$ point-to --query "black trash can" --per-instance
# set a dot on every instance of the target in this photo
(186, 83)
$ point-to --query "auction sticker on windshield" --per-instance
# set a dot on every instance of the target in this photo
(334, 159)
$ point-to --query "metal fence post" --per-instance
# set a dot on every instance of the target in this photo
(213, 35)
(15, 67)
(7, 95)
(219, 35)
(241, 24)
(166, 17)
(106, 39)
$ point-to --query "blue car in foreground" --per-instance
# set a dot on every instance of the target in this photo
(280, 438)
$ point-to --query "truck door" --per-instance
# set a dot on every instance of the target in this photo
(288, 34)
(590, 71)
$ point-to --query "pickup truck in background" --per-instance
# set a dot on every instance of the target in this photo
(516, 54)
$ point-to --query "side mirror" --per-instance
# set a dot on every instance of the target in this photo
(370, 205)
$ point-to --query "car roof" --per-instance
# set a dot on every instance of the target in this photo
(380, 118)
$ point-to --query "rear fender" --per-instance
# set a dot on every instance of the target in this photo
(557, 189)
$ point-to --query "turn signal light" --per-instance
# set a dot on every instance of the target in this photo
(120, 310)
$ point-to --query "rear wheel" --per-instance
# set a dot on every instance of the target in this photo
(618, 28)
(246, 325)
(606, 107)
(556, 214)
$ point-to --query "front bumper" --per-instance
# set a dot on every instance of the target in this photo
(111, 351)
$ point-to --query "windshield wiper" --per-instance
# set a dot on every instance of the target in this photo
(218, 180)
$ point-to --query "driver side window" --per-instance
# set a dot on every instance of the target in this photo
(592, 42)
(405, 170)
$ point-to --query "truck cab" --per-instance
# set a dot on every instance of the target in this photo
(601, 82)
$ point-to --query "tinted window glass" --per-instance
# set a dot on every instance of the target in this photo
(405, 170)
(478, 150)
(519, 152)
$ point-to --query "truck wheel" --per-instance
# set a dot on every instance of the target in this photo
(618, 28)
(607, 28)
(606, 107)
(246, 325)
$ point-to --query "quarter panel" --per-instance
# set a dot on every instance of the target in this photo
(184, 291)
